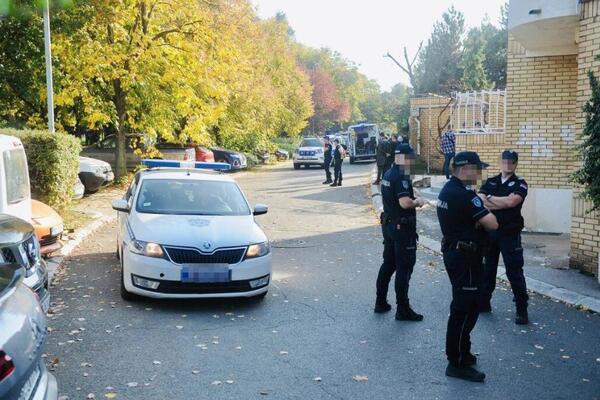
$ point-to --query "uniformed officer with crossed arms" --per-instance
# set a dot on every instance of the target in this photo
(399, 226)
(464, 222)
(504, 194)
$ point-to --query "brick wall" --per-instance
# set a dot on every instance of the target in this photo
(541, 115)
(585, 227)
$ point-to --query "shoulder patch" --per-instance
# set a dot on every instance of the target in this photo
(524, 185)
(512, 183)
(477, 202)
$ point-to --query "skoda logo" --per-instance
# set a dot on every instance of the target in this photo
(206, 246)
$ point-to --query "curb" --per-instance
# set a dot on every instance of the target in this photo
(54, 263)
(562, 295)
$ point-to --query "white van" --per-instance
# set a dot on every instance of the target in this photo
(15, 196)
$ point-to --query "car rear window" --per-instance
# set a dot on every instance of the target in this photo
(15, 175)
(191, 197)
(310, 143)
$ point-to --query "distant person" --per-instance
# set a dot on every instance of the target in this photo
(327, 156)
(381, 156)
(448, 144)
(338, 158)
(393, 141)
(504, 194)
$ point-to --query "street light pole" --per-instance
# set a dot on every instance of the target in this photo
(48, 52)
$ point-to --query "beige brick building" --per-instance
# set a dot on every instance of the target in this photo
(552, 46)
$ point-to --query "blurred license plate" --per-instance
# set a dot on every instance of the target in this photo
(28, 387)
(205, 273)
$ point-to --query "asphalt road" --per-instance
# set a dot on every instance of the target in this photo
(315, 335)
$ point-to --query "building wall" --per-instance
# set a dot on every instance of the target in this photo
(585, 229)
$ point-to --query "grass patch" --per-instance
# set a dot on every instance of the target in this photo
(73, 220)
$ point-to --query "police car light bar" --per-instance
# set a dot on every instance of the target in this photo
(186, 164)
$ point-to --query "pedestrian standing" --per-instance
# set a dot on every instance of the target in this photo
(327, 156)
(399, 227)
(462, 216)
(338, 159)
(391, 152)
(381, 156)
(448, 145)
(504, 194)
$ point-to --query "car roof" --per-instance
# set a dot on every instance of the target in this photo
(181, 173)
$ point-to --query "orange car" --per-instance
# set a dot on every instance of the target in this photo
(48, 227)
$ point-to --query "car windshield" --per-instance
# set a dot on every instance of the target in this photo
(191, 197)
(15, 175)
(310, 143)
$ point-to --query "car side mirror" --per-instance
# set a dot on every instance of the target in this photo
(260, 209)
(120, 205)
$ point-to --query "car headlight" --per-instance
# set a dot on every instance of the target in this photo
(56, 230)
(319, 151)
(147, 249)
(258, 250)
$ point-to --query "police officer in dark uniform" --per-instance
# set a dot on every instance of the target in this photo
(464, 221)
(399, 226)
(504, 194)
(338, 159)
(327, 150)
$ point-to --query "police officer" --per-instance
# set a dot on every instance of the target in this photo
(381, 156)
(338, 159)
(504, 194)
(464, 221)
(398, 223)
(327, 150)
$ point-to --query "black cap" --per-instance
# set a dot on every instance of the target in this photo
(468, 158)
(404, 148)
(510, 155)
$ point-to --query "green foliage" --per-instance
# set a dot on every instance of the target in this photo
(53, 160)
(588, 174)
(473, 61)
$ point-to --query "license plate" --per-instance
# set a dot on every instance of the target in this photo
(28, 387)
(205, 273)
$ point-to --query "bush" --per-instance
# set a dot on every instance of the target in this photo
(53, 160)
(251, 159)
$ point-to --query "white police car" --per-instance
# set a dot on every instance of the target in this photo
(190, 233)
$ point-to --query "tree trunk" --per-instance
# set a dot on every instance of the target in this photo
(121, 142)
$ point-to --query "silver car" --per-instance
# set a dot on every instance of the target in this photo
(23, 374)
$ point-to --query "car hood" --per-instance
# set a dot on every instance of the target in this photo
(309, 148)
(93, 162)
(13, 229)
(44, 216)
(197, 230)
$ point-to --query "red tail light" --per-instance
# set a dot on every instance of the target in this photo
(6, 366)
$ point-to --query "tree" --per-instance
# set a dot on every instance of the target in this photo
(410, 64)
(329, 108)
(438, 69)
(496, 49)
(588, 174)
(473, 61)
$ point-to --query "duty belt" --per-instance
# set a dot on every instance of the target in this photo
(466, 246)
(388, 219)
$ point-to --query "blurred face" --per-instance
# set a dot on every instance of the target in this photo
(508, 166)
(404, 160)
(470, 174)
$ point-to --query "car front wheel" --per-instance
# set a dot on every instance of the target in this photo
(125, 295)
(296, 166)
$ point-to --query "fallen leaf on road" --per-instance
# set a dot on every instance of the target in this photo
(317, 379)
(179, 327)
(110, 395)
(156, 362)
(229, 382)
(195, 372)
(283, 352)
(360, 378)
(90, 396)
(216, 383)
(537, 346)
(132, 384)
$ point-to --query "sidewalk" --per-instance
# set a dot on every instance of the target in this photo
(546, 256)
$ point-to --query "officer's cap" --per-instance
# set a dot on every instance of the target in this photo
(404, 148)
(468, 158)
(510, 155)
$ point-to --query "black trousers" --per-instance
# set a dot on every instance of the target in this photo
(337, 171)
(399, 256)
(326, 166)
(466, 274)
(380, 171)
(509, 244)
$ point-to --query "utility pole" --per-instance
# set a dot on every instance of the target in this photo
(48, 52)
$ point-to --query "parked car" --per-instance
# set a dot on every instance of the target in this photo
(309, 152)
(282, 154)
(190, 234)
(15, 195)
(202, 153)
(48, 227)
(236, 159)
(23, 373)
(18, 245)
(78, 189)
(105, 150)
(94, 173)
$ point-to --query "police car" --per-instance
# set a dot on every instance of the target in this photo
(185, 232)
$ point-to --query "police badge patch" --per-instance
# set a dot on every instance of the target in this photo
(512, 183)
(405, 184)
(476, 202)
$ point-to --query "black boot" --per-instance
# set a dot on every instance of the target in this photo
(333, 184)
(522, 317)
(464, 372)
(405, 313)
(382, 306)
(326, 182)
(468, 360)
(339, 183)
